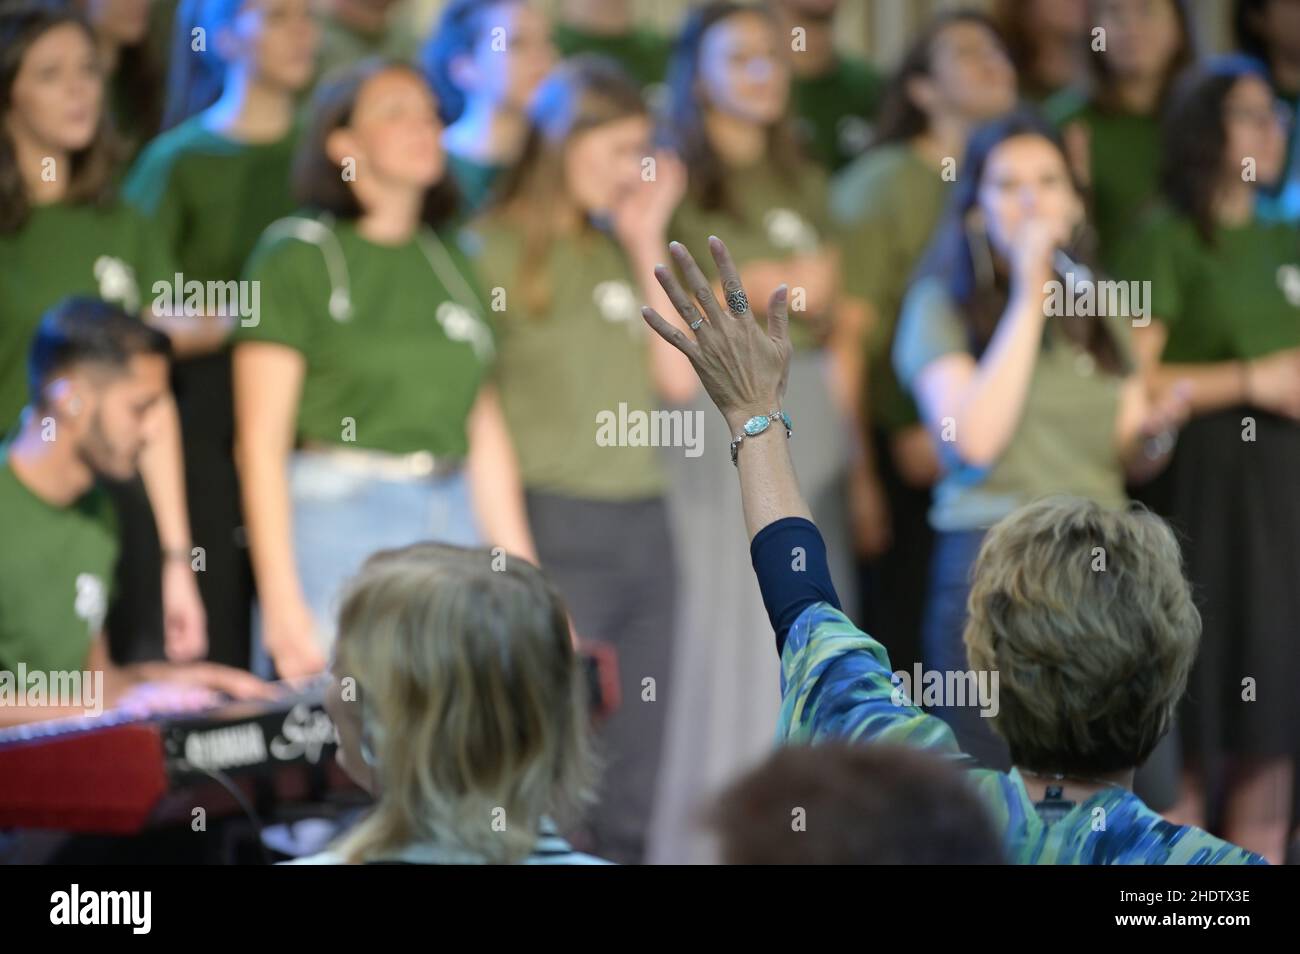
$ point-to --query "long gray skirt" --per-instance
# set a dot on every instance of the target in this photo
(726, 674)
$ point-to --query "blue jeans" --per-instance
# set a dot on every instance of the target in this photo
(341, 517)
(942, 648)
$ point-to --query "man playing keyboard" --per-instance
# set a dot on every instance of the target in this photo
(96, 376)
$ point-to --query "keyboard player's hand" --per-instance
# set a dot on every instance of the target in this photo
(217, 678)
(155, 698)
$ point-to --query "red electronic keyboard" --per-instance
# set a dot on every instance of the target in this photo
(116, 774)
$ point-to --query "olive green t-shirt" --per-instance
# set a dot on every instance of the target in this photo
(341, 46)
(1235, 300)
(211, 196)
(836, 110)
(887, 204)
(643, 52)
(1124, 155)
(56, 573)
(396, 366)
(574, 378)
(776, 217)
(61, 250)
(1065, 440)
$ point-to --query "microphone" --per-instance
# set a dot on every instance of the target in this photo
(1065, 266)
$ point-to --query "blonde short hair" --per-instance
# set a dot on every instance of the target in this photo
(1089, 621)
(473, 698)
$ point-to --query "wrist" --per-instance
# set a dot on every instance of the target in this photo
(737, 416)
(177, 555)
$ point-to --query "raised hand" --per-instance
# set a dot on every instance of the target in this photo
(744, 368)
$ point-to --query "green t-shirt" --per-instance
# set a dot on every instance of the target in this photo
(643, 52)
(1236, 300)
(341, 46)
(567, 376)
(63, 250)
(777, 217)
(56, 573)
(474, 180)
(1065, 441)
(211, 196)
(887, 204)
(836, 110)
(396, 366)
(1124, 154)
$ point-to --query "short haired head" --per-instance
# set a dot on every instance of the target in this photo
(98, 373)
(469, 702)
(837, 803)
(1086, 616)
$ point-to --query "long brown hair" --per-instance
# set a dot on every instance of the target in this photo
(91, 176)
(684, 126)
(951, 259)
(1104, 90)
(582, 93)
(900, 118)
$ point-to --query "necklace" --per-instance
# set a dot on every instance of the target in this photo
(1062, 777)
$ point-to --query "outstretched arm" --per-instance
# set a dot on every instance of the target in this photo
(835, 679)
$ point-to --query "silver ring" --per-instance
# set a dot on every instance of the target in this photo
(737, 303)
(695, 325)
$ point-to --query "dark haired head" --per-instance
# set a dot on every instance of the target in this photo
(318, 180)
(684, 125)
(951, 257)
(844, 804)
(195, 77)
(459, 30)
(90, 177)
(1196, 137)
(900, 117)
(1104, 80)
(83, 331)
(1247, 29)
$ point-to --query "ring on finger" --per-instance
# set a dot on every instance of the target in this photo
(737, 303)
(695, 325)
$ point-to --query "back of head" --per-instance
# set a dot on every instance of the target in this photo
(854, 804)
(82, 331)
(1087, 618)
(472, 695)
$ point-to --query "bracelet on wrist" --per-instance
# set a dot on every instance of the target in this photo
(757, 425)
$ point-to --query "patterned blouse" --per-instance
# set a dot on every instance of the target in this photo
(836, 682)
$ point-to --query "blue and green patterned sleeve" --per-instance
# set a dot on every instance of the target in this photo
(836, 683)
